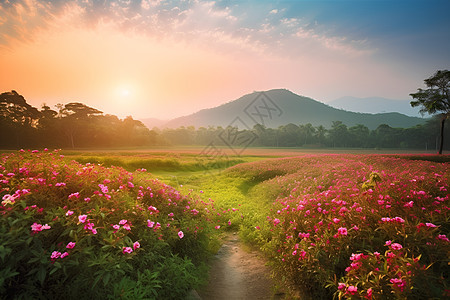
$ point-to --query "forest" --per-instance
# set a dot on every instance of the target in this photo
(76, 125)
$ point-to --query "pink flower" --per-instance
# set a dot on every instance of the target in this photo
(46, 226)
(74, 195)
(396, 246)
(82, 218)
(341, 286)
(352, 289)
(369, 293)
(136, 245)
(127, 250)
(430, 225)
(55, 255)
(116, 227)
(388, 243)
(342, 231)
(127, 227)
(443, 237)
(69, 213)
(217, 227)
(150, 223)
(170, 215)
(70, 245)
(336, 220)
(276, 222)
(123, 222)
(64, 254)
(180, 234)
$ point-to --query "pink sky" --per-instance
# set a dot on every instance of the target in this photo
(156, 61)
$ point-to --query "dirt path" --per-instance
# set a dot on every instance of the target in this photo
(238, 274)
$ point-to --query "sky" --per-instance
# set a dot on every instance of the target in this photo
(163, 59)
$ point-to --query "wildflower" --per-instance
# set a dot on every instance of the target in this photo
(336, 220)
(388, 243)
(342, 231)
(116, 227)
(276, 222)
(136, 245)
(123, 222)
(74, 195)
(369, 293)
(82, 218)
(60, 184)
(341, 286)
(443, 237)
(127, 227)
(352, 290)
(396, 246)
(180, 234)
(217, 227)
(55, 255)
(150, 223)
(409, 204)
(46, 226)
(69, 213)
(127, 250)
(36, 227)
(70, 245)
(430, 225)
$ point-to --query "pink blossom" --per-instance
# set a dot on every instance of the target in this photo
(150, 223)
(55, 255)
(122, 222)
(127, 227)
(136, 245)
(36, 227)
(342, 231)
(74, 195)
(443, 237)
(70, 245)
(180, 234)
(276, 222)
(352, 290)
(341, 286)
(60, 184)
(116, 227)
(127, 250)
(69, 213)
(388, 243)
(82, 218)
(430, 225)
(396, 246)
(217, 227)
(64, 254)
(336, 220)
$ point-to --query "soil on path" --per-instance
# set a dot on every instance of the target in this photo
(238, 274)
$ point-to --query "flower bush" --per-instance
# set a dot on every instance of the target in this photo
(329, 208)
(69, 230)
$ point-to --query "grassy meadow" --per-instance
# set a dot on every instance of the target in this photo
(135, 224)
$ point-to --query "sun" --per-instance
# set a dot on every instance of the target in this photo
(124, 92)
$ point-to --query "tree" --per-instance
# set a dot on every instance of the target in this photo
(435, 99)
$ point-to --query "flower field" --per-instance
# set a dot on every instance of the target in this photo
(71, 230)
(343, 226)
(353, 226)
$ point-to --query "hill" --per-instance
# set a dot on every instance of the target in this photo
(375, 105)
(278, 107)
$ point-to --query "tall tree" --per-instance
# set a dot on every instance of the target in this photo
(435, 99)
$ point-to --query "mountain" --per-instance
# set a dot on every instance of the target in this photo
(153, 122)
(278, 107)
(375, 105)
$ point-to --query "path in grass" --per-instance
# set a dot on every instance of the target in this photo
(238, 274)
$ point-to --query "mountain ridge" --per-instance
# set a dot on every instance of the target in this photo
(277, 107)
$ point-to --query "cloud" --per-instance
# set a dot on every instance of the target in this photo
(207, 23)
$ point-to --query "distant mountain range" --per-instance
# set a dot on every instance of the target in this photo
(278, 107)
(375, 105)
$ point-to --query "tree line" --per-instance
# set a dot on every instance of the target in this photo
(423, 137)
(73, 125)
(76, 125)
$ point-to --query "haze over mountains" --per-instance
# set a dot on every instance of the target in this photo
(278, 107)
(375, 105)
